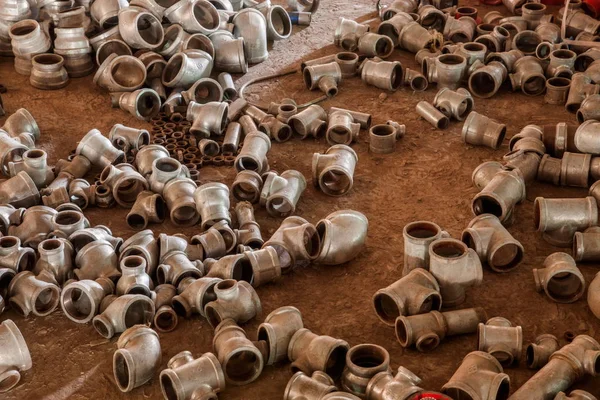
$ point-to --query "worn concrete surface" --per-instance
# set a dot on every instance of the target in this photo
(427, 178)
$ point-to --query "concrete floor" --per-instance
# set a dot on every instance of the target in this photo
(427, 178)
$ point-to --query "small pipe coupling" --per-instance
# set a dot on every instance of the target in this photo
(309, 352)
(347, 33)
(386, 75)
(557, 90)
(212, 203)
(280, 193)
(235, 300)
(560, 279)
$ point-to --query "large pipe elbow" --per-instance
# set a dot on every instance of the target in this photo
(251, 25)
(343, 235)
(137, 359)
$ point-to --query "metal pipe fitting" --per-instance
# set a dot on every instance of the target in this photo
(479, 130)
(279, 23)
(310, 352)
(30, 294)
(460, 30)
(120, 74)
(15, 257)
(485, 82)
(34, 163)
(375, 45)
(296, 241)
(124, 182)
(235, 300)
(235, 266)
(333, 171)
(95, 260)
(501, 339)
(584, 244)
(179, 196)
(454, 104)
(226, 82)
(251, 25)
(164, 170)
(180, 381)
(127, 138)
(280, 193)
(432, 115)
(385, 75)
(175, 266)
(15, 355)
(269, 124)
(16, 10)
(19, 191)
(559, 219)
(581, 87)
(229, 52)
(533, 14)
(527, 42)
(277, 331)
(80, 300)
(194, 295)
(479, 376)
(56, 257)
(402, 386)
(589, 110)
(431, 18)
(186, 67)
(528, 76)
(526, 161)
(348, 63)
(562, 64)
(265, 265)
(207, 119)
(585, 143)
(248, 232)
(383, 138)
(495, 40)
(36, 224)
(148, 208)
(105, 13)
(9, 216)
(121, 313)
(325, 77)
(301, 386)
(575, 394)
(415, 80)
(165, 318)
(139, 28)
(342, 236)
(247, 186)
(310, 121)
(212, 203)
(566, 366)
(446, 70)
(455, 267)
(212, 244)
(204, 90)
(21, 121)
(98, 233)
(557, 89)
(500, 195)
(418, 236)
(143, 104)
(341, 128)
(363, 362)
(27, 39)
(99, 150)
(134, 279)
(508, 58)
(413, 37)
(147, 155)
(538, 353)
(577, 22)
(195, 16)
(416, 293)
(393, 26)
(585, 59)
(560, 279)
(426, 331)
(11, 150)
(137, 358)
(593, 299)
(48, 72)
(494, 245)
(347, 33)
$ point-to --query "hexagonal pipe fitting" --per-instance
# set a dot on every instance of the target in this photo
(137, 359)
(309, 352)
(121, 313)
(560, 279)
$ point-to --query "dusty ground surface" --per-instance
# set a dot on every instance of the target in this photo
(427, 178)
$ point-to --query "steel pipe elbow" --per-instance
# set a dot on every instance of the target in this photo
(280, 193)
(301, 385)
(538, 353)
(15, 257)
(560, 279)
(186, 67)
(310, 352)
(235, 300)
(11, 151)
(248, 232)
(342, 235)
(56, 257)
(137, 358)
(30, 294)
(416, 293)
(120, 73)
(251, 25)
(480, 376)
(333, 171)
(207, 119)
(559, 219)
(277, 331)
(501, 339)
(95, 260)
(402, 386)
(310, 121)
(15, 355)
(235, 266)
(121, 313)
(139, 28)
(195, 16)
(10, 216)
(180, 381)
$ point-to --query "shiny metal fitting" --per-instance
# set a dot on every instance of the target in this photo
(308, 122)
(181, 381)
(559, 219)
(500, 195)
(248, 232)
(99, 150)
(148, 208)
(404, 384)
(15, 257)
(48, 72)
(124, 182)
(175, 266)
(347, 33)
(143, 104)
(485, 82)
(296, 241)
(229, 52)
(36, 224)
(164, 170)
(212, 203)
(236, 300)
(127, 138)
(97, 259)
(204, 90)
(385, 75)
(538, 353)
(333, 171)
(121, 313)
(324, 77)
(27, 39)
(15, 355)
(194, 295)
(277, 331)
(142, 244)
(446, 70)
(19, 191)
(528, 76)
(134, 279)
(341, 128)
(253, 154)
(560, 279)
(144, 159)
(139, 28)
(363, 362)
(418, 236)
(195, 16)
(589, 110)
(317, 385)
(383, 138)
(137, 359)
(179, 196)
(165, 318)
(309, 352)
(120, 74)
(501, 339)
(56, 257)
(455, 104)
(34, 163)
(30, 294)
(80, 300)
(186, 67)
(209, 118)
(479, 130)
(342, 235)
(432, 115)
(251, 25)
(413, 37)
(280, 193)
(247, 186)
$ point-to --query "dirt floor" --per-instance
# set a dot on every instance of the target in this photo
(427, 178)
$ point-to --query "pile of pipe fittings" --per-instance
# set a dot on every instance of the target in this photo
(144, 48)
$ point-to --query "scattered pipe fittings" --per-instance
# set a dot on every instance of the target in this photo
(164, 170)
(15, 355)
(27, 39)
(179, 196)
(296, 241)
(309, 352)
(97, 259)
(251, 25)
(30, 294)
(325, 77)
(432, 115)
(446, 70)
(148, 208)
(134, 279)
(418, 236)
(347, 33)
(248, 232)
(485, 82)
(234, 300)
(310, 121)
(333, 171)
(241, 360)
(393, 26)
(501, 339)
(575, 360)
(137, 359)
(121, 313)
(318, 384)
(342, 236)
(386, 75)
(181, 381)
(559, 219)
(494, 245)
(557, 89)
(56, 257)
(269, 124)
(479, 130)
(538, 353)
(280, 193)
(80, 300)
(480, 376)
(528, 76)
(560, 279)
(416, 293)
(277, 331)
(581, 87)
(175, 266)
(454, 104)
(99, 150)
(363, 362)
(426, 331)
(403, 385)
(375, 45)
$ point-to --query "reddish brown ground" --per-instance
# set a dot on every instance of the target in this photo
(427, 178)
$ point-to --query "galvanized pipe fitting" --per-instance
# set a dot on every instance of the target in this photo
(538, 353)
(494, 245)
(164, 170)
(456, 272)
(204, 90)
(235, 266)
(585, 143)
(120, 74)
(27, 39)
(342, 236)
(418, 236)
(333, 171)
(30, 294)
(165, 318)
(251, 25)
(447, 70)
(557, 90)
(363, 119)
(560, 279)
(581, 87)
(486, 81)
(231, 140)
(500, 195)
(426, 331)
(207, 119)
(247, 186)
(248, 232)
(584, 243)
(270, 125)
(124, 182)
(508, 58)
(301, 386)
(137, 358)
(479, 130)
(121, 313)
(501, 339)
(179, 196)
(48, 72)
(235, 300)
(375, 45)
(212, 243)
(97, 259)
(589, 110)
(15, 355)
(265, 265)
(175, 266)
(480, 376)
(413, 37)
(229, 52)
(134, 279)
(383, 138)
(19, 191)
(80, 300)
(347, 33)
(393, 26)
(566, 366)
(127, 138)
(432, 115)
(341, 128)
(186, 67)
(416, 293)
(562, 64)
(99, 150)
(15, 257)
(145, 158)
(577, 22)
(16, 10)
(559, 219)
(195, 16)
(527, 42)
(528, 76)
(363, 362)
(56, 257)
(403, 385)
(431, 17)
(585, 59)
(325, 77)
(454, 104)
(35, 225)
(21, 121)
(310, 121)
(194, 295)
(277, 331)
(9, 216)
(385, 75)
(86, 236)
(310, 352)
(143, 104)
(296, 241)
(348, 63)
(139, 28)
(415, 80)
(280, 193)
(533, 14)
(212, 203)
(526, 160)
(495, 41)
(34, 163)
(180, 381)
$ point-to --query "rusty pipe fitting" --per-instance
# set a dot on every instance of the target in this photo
(485, 82)
(566, 366)
(560, 279)
(559, 219)
(137, 358)
(97, 259)
(557, 90)
(253, 155)
(447, 70)
(180, 381)
(235, 300)
(333, 171)
(194, 295)
(501, 339)
(15, 257)
(528, 76)
(30, 294)
(310, 121)
(479, 376)
(342, 236)
(179, 196)
(208, 147)
(15, 355)
(134, 279)
(325, 77)
(416, 293)
(538, 353)
(19, 191)
(341, 128)
(85, 236)
(248, 232)
(56, 257)
(121, 313)
(432, 115)
(347, 33)
(120, 74)
(500, 195)
(175, 266)
(99, 149)
(148, 208)
(479, 130)
(280, 193)
(418, 236)
(455, 104)
(385, 75)
(178, 242)
(348, 63)
(301, 386)
(426, 331)
(494, 245)
(80, 300)
(277, 330)
(9, 216)
(363, 362)
(124, 182)
(296, 241)
(415, 80)
(310, 352)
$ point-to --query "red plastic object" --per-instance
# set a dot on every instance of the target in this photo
(591, 7)
(431, 395)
